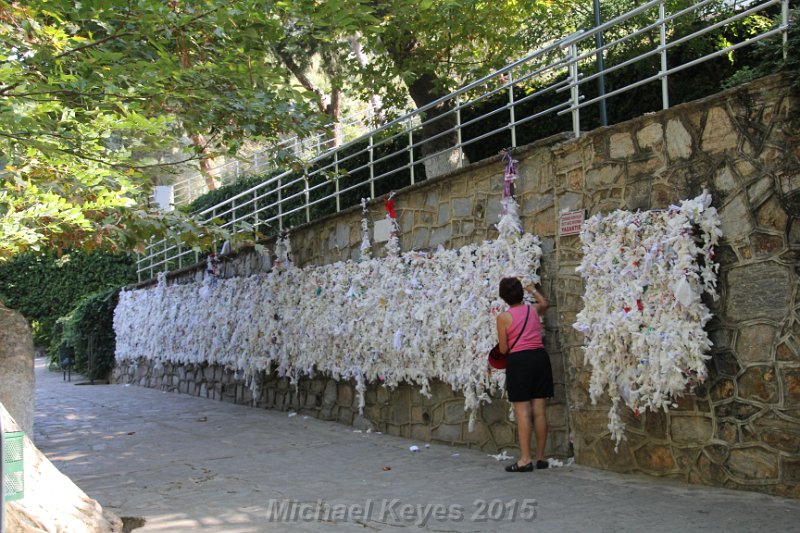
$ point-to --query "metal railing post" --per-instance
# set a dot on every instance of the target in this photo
(138, 267)
(256, 218)
(411, 147)
(511, 115)
(280, 204)
(458, 133)
(575, 95)
(371, 169)
(308, 198)
(152, 256)
(180, 255)
(336, 179)
(166, 255)
(663, 45)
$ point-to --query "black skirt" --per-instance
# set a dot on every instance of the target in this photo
(529, 375)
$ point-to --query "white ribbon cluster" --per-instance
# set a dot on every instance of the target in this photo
(413, 318)
(643, 317)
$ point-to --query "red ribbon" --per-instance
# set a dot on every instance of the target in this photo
(389, 205)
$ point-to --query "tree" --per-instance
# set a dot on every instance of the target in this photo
(87, 86)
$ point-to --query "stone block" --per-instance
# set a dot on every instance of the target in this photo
(725, 180)
(758, 383)
(772, 215)
(480, 434)
(493, 210)
(444, 214)
(621, 146)
(759, 290)
(736, 409)
(679, 140)
(421, 432)
(719, 134)
(655, 424)
(728, 431)
(734, 219)
(330, 394)
(598, 178)
(722, 390)
(691, 429)
(780, 433)
(791, 469)
(570, 201)
(654, 458)
(753, 462)
(432, 198)
(710, 473)
(421, 238)
(450, 433)
(345, 394)
(755, 342)
(791, 387)
(651, 136)
(504, 434)
(454, 412)
(613, 457)
(765, 245)
(462, 207)
(441, 236)
(400, 413)
(760, 190)
(784, 352)
(345, 415)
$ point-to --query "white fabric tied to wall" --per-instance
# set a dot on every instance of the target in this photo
(643, 317)
(411, 318)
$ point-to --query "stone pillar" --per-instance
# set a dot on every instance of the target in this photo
(16, 368)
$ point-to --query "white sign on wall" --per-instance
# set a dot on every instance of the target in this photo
(570, 223)
(383, 230)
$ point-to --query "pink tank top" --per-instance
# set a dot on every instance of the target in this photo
(531, 338)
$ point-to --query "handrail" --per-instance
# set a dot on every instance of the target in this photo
(554, 69)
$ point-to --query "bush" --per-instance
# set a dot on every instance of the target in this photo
(44, 287)
(89, 331)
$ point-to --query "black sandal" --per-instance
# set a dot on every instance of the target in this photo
(517, 468)
(541, 465)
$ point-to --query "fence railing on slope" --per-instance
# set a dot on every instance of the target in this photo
(547, 86)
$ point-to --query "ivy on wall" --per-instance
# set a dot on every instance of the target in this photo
(44, 287)
(89, 331)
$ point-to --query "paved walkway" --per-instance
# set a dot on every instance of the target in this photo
(189, 464)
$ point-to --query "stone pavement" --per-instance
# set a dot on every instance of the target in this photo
(188, 464)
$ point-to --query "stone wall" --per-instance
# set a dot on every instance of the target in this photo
(742, 428)
(402, 411)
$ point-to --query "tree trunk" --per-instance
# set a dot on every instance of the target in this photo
(205, 162)
(438, 148)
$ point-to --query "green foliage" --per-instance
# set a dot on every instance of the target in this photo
(89, 331)
(44, 287)
(768, 57)
(86, 86)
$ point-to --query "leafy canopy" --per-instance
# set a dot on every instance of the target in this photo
(88, 88)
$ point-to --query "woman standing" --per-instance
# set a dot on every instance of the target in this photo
(529, 376)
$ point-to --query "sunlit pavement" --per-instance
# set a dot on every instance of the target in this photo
(188, 464)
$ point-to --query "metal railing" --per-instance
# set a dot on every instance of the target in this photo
(543, 86)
